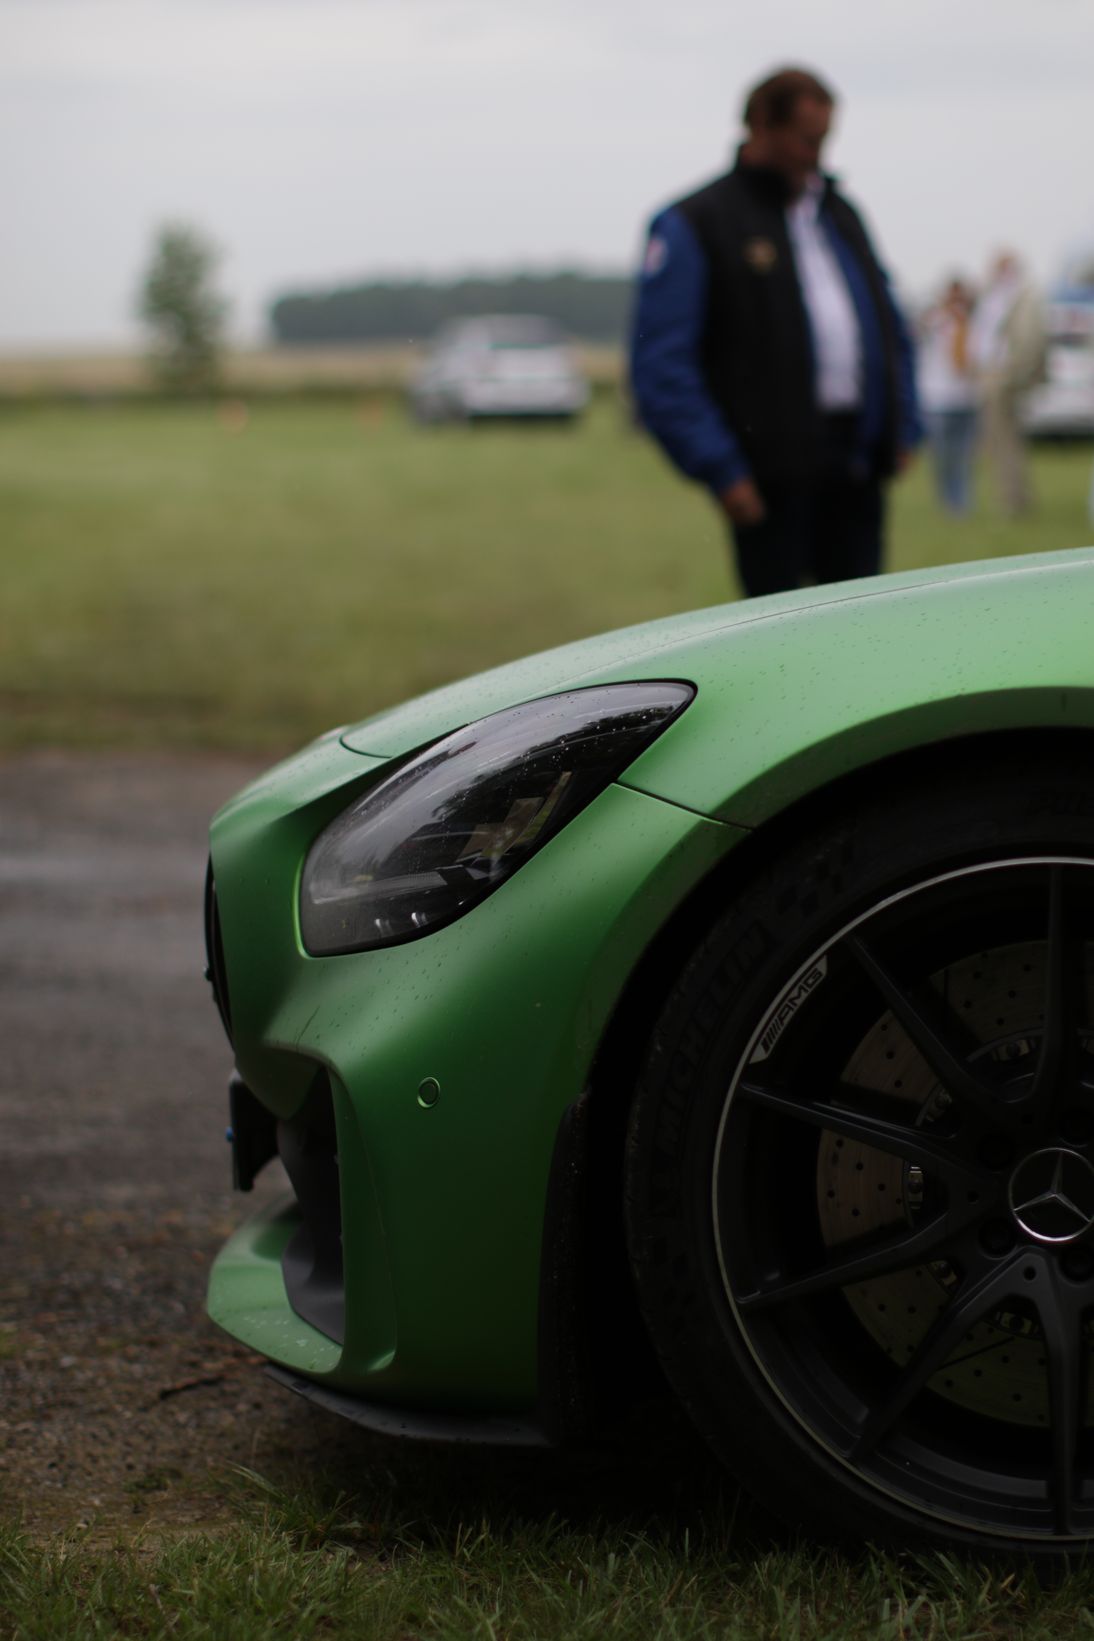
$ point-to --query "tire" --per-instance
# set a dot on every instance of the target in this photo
(860, 1169)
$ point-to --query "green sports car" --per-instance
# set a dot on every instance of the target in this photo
(710, 1003)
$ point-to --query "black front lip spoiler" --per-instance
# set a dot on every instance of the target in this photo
(478, 1429)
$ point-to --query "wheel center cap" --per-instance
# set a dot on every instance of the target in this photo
(1052, 1195)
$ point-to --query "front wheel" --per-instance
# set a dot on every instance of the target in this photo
(860, 1186)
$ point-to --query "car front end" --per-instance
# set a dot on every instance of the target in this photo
(411, 1033)
(453, 946)
(524, 383)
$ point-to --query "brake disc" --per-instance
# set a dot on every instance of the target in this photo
(999, 1368)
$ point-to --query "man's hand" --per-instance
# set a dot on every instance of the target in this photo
(743, 502)
(904, 459)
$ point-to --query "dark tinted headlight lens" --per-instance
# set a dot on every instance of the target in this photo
(440, 834)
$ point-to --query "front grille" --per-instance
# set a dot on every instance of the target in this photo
(312, 1262)
(214, 954)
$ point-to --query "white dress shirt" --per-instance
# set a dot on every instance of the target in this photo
(837, 344)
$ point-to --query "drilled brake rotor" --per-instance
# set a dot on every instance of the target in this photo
(999, 1369)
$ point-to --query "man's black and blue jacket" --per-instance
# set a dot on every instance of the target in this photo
(722, 359)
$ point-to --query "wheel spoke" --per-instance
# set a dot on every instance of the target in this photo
(935, 1032)
(1062, 1324)
(877, 1120)
(1062, 1002)
(975, 1296)
(855, 1261)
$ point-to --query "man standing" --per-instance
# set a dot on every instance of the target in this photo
(768, 356)
(1008, 347)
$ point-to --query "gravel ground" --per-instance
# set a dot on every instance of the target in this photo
(120, 1402)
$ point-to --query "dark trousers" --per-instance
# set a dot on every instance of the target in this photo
(825, 529)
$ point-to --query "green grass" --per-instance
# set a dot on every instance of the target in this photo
(489, 1582)
(171, 579)
(168, 579)
(642, 1536)
(296, 1567)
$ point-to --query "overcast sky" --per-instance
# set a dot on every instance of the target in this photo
(329, 140)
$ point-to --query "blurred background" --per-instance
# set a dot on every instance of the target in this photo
(313, 316)
(312, 396)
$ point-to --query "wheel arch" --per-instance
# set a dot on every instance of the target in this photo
(943, 729)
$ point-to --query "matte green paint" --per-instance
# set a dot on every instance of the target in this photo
(247, 1295)
(505, 1008)
(804, 697)
(798, 689)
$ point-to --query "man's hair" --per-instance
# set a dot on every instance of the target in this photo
(774, 100)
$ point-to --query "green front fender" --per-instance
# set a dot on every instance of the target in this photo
(505, 1009)
(808, 694)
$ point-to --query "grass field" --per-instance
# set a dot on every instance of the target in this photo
(244, 579)
(191, 576)
(297, 1566)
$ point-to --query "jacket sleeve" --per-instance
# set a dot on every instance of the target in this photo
(666, 376)
(910, 430)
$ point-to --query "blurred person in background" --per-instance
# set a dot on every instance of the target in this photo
(1008, 350)
(948, 393)
(768, 355)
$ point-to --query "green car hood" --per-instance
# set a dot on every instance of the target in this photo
(797, 689)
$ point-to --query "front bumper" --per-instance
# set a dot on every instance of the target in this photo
(479, 1429)
(443, 1203)
(524, 399)
(247, 1294)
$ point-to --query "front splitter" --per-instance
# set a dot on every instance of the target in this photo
(477, 1429)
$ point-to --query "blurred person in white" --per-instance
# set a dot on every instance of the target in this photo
(1008, 350)
(948, 393)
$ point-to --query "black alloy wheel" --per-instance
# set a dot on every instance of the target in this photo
(861, 1175)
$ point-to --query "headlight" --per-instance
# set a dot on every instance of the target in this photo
(440, 834)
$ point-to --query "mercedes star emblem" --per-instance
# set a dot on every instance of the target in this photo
(1052, 1195)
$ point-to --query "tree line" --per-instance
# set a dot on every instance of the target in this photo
(184, 311)
(593, 307)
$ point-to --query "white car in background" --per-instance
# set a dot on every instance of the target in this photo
(503, 365)
(1062, 406)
